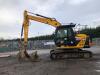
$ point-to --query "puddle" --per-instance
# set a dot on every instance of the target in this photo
(97, 70)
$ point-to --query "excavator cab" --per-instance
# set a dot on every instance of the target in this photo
(64, 35)
(69, 44)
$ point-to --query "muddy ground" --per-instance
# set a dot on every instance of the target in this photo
(45, 66)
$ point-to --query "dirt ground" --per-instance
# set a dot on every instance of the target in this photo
(45, 66)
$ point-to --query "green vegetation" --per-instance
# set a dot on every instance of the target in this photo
(93, 32)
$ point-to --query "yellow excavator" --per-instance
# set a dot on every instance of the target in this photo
(68, 43)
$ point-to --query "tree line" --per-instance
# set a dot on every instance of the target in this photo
(92, 32)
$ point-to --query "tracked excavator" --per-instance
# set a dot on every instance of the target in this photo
(68, 43)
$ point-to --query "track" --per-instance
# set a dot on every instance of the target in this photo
(74, 53)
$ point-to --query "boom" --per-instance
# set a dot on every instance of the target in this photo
(39, 18)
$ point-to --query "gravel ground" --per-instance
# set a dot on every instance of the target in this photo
(45, 66)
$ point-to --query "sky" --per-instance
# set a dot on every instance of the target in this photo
(85, 12)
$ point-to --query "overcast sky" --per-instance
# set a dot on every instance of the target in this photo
(65, 11)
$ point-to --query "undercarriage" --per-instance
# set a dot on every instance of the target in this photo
(69, 53)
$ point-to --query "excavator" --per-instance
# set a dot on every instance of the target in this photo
(68, 43)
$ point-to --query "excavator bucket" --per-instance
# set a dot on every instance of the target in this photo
(23, 54)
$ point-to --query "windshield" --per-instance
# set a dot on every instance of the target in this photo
(64, 32)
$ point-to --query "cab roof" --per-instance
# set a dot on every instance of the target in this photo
(66, 26)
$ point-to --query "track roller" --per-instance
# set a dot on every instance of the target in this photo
(87, 54)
